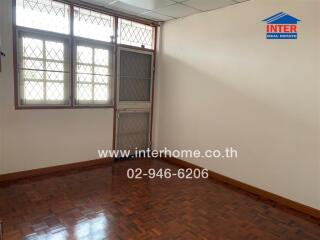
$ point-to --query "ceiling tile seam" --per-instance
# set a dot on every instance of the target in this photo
(160, 14)
(113, 2)
(146, 10)
(234, 3)
(175, 3)
(182, 3)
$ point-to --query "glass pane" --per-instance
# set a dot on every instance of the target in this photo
(93, 25)
(55, 91)
(101, 70)
(84, 54)
(101, 56)
(33, 90)
(32, 75)
(32, 48)
(55, 76)
(93, 74)
(55, 66)
(82, 68)
(55, 16)
(81, 78)
(42, 72)
(54, 51)
(101, 92)
(84, 92)
(101, 79)
(135, 34)
(32, 64)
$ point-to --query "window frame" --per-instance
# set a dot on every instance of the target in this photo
(72, 61)
(67, 65)
(93, 44)
(119, 34)
(72, 22)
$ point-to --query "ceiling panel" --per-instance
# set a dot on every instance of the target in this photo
(127, 8)
(164, 10)
(149, 4)
(156, 16)
(99, 2)
(207, 5)
(177, 11)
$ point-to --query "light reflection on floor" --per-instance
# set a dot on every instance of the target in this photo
(91, 229)
(54, 234)
(85, 229)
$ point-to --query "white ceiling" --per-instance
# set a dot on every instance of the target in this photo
(164, 10)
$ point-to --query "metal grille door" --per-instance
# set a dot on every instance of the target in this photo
(135, 78)
(135, 74)
(133, 130)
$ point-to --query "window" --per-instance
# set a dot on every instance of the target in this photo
(94, 70)
(90, 24)
(55, 16)
(43, 70)
(135, 34)
(65, 53)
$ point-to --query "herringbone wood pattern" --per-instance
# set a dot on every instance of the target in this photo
(102, 203)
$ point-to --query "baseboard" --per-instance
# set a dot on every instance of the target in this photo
(315, 213)
(42, 171)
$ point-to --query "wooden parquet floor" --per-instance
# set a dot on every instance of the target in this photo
(102, 203)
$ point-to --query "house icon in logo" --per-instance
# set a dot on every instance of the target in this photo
(282, 26)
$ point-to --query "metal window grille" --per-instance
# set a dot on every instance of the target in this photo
(135, 34)
(44, 15)
(94, 73)
(43, 28)
(133, 130)
(93, 25)
(43, 70)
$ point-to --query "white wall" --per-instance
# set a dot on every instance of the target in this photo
(318, 54)
(222, 84)
(41, 138)
(318, 77)
(1, 102)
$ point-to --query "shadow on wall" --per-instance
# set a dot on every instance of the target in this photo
(277, 147)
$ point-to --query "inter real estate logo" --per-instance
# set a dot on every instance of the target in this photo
(282, 26)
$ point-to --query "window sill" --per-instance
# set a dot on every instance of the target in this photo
(61, 107)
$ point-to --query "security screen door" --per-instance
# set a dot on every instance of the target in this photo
(133, 130)
(135, 74)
